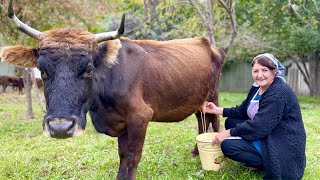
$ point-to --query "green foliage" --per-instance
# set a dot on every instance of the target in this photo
(46, 15)
(286, 30)
(162, 20)
(26, 154)
(271, 22)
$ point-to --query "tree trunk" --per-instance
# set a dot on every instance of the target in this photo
(146, 17)
(36, 91)
(317, 79)
(206, 22)
(314, 72)
(154, 14)
(229, 6)
(208, 15)
(311, 71)
(27, 86)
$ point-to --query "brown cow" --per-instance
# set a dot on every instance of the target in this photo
(4, 82)
(123, 83)
(16, 83)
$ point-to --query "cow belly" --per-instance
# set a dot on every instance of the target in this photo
(174, 117)
(178, 105)
(176, 110)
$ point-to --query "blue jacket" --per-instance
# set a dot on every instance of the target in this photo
(278, 124)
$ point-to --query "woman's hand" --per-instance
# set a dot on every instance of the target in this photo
(221, 136)
(210, 107)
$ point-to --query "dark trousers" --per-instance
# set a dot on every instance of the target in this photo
(239, 149)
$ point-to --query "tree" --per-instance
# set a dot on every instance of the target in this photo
(207, 20)
(290, 29)
(45, 15)
(27, 86)
(161, 20)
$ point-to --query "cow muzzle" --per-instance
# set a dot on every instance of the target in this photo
(61, 127)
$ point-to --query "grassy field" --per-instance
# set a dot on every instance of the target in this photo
(25, 153)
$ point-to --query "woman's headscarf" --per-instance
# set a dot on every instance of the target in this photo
(276, 62)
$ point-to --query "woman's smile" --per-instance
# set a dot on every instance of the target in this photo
(262, 75)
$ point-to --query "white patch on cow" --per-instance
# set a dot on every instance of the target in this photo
(113, 47)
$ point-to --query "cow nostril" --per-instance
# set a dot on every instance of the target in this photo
(60, 126)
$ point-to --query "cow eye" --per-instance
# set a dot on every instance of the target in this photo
(44, 75)
(89, 71)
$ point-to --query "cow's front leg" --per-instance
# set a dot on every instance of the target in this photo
(137, 127)
(122, 151)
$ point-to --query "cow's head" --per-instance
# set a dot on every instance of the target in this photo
(67, 61)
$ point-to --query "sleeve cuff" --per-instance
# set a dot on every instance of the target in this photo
(233, 132)
(225, 112)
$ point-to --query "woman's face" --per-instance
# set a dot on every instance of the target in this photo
(262, 75)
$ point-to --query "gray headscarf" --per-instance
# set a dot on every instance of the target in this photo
(276, 62)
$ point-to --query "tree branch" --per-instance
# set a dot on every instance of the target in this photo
(305, 78)
(293, 9)
(224, 5)
(305, 69)
(304, 5)
(203, 20)
(232, 14)
(316, 6)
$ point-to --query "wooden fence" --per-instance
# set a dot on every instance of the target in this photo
(295, 80)
(237, 78)
(6, 69)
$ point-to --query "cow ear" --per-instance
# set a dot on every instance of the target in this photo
(110, 49)
(20, 56)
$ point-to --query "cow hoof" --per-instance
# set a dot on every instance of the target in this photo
(195, 152)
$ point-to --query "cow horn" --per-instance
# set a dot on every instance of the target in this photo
(111, 35)
(22, 26)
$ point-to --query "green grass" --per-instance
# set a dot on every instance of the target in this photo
(25, 153)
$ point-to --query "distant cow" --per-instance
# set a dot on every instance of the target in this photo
(4, 82)
(123, 83)
(16, 83)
